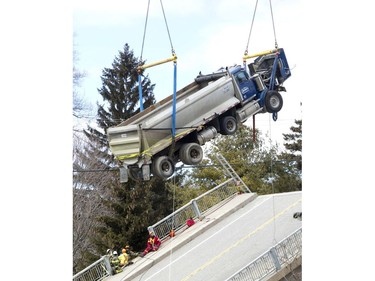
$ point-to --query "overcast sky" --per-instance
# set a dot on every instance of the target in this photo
(205, 35)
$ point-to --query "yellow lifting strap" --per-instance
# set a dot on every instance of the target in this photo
(246, 56)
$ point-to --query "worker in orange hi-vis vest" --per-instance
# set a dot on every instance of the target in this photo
(153, 244)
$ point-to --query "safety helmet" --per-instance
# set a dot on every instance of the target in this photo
(127, 247)
(108, 251)
(124, 251)
(115, 253)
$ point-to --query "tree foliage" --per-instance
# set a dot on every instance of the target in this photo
(244, 155)
(290, 161)
(110, 214)
(80, 106)
(260, 165)
(124, 210)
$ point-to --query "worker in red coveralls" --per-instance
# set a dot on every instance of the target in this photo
(190, 222)
(153, 244)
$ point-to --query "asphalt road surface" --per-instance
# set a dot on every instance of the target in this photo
(230, 244)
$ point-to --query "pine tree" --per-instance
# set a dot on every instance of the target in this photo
(127, 208)
(262, 167)
(248, 159)
(290, 161)
(294, 144)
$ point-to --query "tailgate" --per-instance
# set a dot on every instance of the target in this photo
(125, 142)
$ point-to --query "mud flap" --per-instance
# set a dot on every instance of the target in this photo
(123, 174)
(146, 172)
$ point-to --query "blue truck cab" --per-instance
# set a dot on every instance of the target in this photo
(263, 82)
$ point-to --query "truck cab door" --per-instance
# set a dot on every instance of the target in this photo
(246, 85)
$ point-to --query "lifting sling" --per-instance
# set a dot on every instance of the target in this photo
(173, 59)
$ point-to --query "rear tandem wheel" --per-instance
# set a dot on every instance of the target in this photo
(163, 167)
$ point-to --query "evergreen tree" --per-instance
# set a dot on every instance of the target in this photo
(260, 166)
(290, 161)
(248, 158)
(128, 208)
(293, 144)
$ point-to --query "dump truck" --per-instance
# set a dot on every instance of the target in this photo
(212, 104)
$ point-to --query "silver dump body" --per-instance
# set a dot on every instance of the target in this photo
(140, 137)
(212, 104)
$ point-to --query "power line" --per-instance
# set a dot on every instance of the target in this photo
(177, 168)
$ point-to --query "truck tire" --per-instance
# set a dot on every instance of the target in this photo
(273, 101)
(163, 167)
(228, 125)
(191, 153)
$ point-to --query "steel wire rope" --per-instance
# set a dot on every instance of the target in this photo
(272, 180)
(144, 30)
(140, 60)
(252, 23)
(273, 24)
(251, 28)
(270, 126)
(172, 228)
(166, 24)
(173, 133)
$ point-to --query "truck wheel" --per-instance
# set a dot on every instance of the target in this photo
(191, 153)
(228, 125)
(273, 101)
(163, 167)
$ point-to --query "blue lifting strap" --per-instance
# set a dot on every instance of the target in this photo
(174, 100)
(140, 92)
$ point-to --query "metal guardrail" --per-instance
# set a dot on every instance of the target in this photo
(273, 260)
(196, 208)
(96, 271)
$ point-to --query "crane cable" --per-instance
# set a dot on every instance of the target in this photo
(272, 180)
(172, 232)
(174, 57)
(173, 111)
(251, 27)
(248, 41)
(166, 25)
(174, 80)
(273, 25)
(145, 28)
(140, 60)
(270, 126)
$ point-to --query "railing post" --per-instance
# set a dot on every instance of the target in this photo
(151, 229)
(275, 259)
(195, 208)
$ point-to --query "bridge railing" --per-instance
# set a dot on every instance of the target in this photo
(96, 271)
(196, 208)
(273, 260)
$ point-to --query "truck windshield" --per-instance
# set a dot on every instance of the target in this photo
(242, 76)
